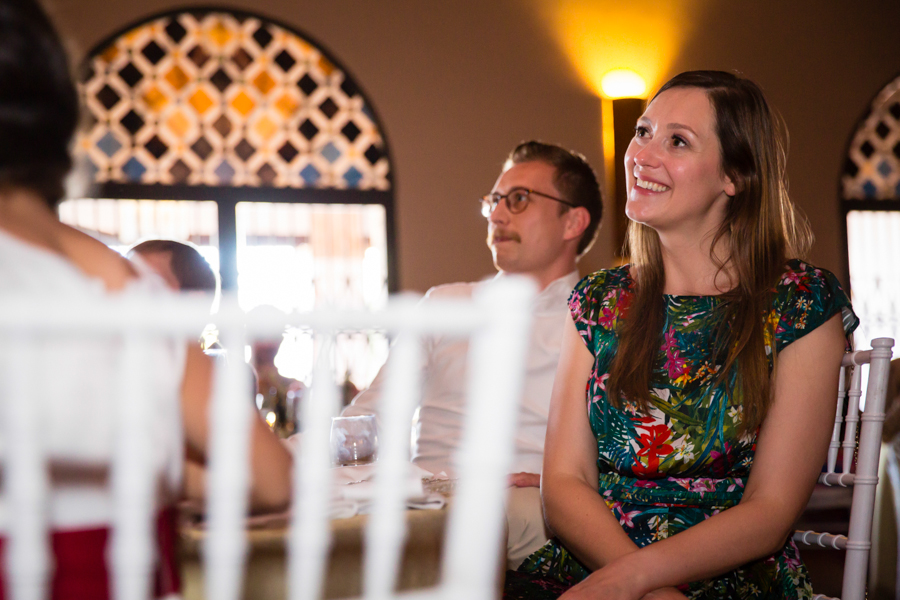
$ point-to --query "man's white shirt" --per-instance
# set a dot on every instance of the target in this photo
(437, 432)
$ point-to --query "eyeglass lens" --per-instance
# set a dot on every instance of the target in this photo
(516, 201)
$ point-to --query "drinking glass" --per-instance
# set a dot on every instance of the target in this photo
(354, 440)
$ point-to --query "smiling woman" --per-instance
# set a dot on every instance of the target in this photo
(674, 356)
(673, 167)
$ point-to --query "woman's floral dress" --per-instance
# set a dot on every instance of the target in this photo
(684, 460)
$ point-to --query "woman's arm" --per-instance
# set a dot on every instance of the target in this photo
(574, 509)
(790, 452)
(270, 461)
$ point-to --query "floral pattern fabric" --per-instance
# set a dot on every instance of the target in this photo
(684, 460)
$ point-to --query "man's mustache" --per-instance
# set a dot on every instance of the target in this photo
(502, 235)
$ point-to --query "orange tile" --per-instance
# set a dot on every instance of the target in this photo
(264, 82)
(201, 101)
(326, 66)
(110, 53)
(286, 105)
(243, 103)
(265, 127)
(176, 77)
(220, 33)
(178, 124)
(155, 99)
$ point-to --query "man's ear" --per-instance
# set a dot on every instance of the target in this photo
(577, 220)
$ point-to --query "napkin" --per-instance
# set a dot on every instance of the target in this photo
(353, 493)
(354, 490)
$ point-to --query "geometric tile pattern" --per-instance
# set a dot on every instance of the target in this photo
(872, 167)
(213, 98)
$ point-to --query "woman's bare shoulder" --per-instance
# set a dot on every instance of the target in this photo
(95, 259)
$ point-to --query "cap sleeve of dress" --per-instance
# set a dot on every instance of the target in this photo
(583, 305)
(596, 304)
(805, 298)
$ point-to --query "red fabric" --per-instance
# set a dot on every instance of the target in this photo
(80, 562)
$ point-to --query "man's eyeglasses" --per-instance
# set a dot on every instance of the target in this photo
(517, 200)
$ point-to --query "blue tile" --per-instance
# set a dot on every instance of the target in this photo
(869, 189)
(352, 177)
(885, 168)
(133, 169)
(108, 144)
(225, 172)
(310, 174)
(330, 152)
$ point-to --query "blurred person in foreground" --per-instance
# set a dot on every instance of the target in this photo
(695, 396)
(41, 256)
(543, 213)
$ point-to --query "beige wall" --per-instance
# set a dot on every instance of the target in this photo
(458, 83)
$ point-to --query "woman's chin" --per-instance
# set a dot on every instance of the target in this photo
(638, 215)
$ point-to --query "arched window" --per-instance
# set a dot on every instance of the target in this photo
(870, 200)
(206, 106)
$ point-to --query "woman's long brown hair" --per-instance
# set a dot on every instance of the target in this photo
(761, 229)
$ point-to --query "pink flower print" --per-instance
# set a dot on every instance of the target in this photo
(790, 277)
(645, 483)
(792, 562)
(718, 462)
(602, 381)
(609, 318)
(703, 484)
(737, 483)
(689, 319)
(676, 366)
(626, 519)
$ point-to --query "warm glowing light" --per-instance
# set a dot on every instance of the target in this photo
(600, 35)
(271, 418)
(623, 83)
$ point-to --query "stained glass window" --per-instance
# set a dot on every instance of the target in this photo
(216, 98)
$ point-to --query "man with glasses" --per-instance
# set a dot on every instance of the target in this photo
(543, 214)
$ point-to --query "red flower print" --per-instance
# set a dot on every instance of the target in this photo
(653, 445)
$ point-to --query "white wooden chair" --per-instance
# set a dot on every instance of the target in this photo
(498, 322)
(864, 478)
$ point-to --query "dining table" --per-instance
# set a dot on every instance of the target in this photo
(266, 573)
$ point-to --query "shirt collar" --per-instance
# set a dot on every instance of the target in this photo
(557, 291)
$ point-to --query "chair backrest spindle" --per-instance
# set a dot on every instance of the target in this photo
(132, 477)
(864, 477)
(385, 533)
(27, 558)
(310, 532)
(225, 546)
(835, 444)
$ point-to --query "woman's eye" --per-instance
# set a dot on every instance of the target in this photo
(678, 141)
(640, 131)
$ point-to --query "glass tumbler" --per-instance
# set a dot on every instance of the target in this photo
(354, 440)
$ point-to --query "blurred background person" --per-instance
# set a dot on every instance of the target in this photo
(180, 265)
